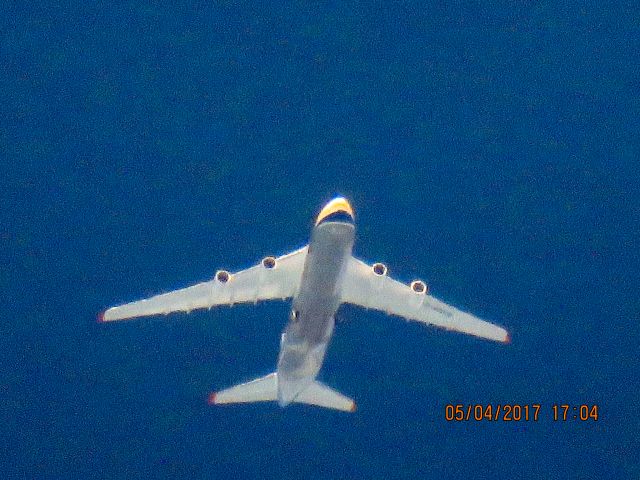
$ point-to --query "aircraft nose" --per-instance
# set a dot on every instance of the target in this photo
(337, 209)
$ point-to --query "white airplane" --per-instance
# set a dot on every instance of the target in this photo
(318, 277)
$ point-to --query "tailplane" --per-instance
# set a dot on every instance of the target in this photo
(265, 389)
(320, 395)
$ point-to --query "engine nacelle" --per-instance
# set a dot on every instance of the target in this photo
(379, 275)
(419, 287)
(222, 276)
(380, 269)
(269, 263)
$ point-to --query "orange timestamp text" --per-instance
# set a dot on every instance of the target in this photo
(515, 412)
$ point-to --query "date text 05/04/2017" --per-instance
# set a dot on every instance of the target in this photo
(515, 412)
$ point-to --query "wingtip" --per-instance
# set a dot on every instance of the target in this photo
(100, 317)
(354, 407)
(212, 398)
(507, 339)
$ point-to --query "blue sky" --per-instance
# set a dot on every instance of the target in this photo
(489, 149)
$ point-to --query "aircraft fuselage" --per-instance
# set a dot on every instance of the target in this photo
(305, 339)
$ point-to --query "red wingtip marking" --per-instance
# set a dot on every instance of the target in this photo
(508, 339)
(212, 398)
(354, 407)
(100, 317)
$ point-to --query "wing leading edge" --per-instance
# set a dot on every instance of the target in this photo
(369, 287)
(272, 278)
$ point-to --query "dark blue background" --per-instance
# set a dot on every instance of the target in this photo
(490, 149)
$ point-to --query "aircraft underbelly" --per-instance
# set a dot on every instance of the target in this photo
(307, 335)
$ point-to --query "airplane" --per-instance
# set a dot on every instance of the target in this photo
(318, 278)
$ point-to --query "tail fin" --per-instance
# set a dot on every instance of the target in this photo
(265, 389)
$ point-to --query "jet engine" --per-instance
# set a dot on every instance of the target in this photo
(380, 269)
(420, 289)
(379, 275)
(269, 262)
(222, 276)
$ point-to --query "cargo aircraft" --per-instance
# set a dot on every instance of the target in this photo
(318, 278)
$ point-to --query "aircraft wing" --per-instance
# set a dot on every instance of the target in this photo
(272, 278)
(370, 287)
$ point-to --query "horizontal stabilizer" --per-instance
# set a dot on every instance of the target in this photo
(265, 389)
(262, 389)
(323, 396)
